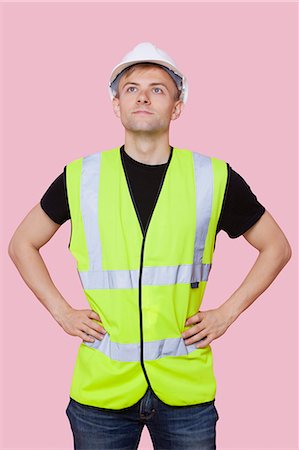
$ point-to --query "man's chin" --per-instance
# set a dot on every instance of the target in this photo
(145, 131)
(143, 128)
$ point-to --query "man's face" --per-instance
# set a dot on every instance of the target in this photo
(147, 100)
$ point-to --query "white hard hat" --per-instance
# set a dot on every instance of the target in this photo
(147, 52)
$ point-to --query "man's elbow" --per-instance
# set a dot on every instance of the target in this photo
(12, 248)
(16, 247)
(285, 255)
(287, 252)
(282, 252)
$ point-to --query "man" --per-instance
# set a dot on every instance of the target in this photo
(144, 222)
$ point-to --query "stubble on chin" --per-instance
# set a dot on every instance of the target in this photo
(131, 124)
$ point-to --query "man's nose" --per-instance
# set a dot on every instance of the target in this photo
(143, 97)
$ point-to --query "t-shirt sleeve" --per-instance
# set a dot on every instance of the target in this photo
(240, 209)
(55, 202)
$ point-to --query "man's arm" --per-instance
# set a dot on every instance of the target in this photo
(33, 232)
(274, 253)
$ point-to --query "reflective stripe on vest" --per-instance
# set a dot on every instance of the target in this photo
(131, 352)
(96, 278)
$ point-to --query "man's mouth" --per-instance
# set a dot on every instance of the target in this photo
(141, 111)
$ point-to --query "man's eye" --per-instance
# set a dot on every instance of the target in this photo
(157, 89)
(130, 89)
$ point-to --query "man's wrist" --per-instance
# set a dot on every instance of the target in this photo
(61, 308)
(229, 310)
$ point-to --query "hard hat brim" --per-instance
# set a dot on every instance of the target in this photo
(121, 67)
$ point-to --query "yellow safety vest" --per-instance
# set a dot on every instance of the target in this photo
(144, 284)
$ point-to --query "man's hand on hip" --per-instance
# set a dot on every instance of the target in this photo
(207, 326)
(80, 323)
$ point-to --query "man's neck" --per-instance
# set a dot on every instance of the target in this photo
(148, 149)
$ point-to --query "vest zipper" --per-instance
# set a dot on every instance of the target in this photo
(144, 231)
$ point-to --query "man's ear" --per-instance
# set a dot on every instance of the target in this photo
(115, 105)
(177, 110)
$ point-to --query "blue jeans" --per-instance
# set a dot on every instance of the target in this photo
(170, 427)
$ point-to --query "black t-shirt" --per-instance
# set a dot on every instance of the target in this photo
(240, 209)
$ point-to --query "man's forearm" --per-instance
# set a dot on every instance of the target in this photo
(264, 271)
(34, 272)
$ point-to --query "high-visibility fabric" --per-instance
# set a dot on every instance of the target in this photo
(144, 284)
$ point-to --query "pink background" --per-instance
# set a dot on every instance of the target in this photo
(241, 63)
